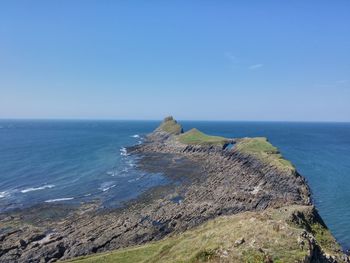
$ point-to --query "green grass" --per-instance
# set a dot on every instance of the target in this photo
(322, 235)
(261, 148)
(171, 126)
(256, 145)
(197, 137)
(214, 240)
(137, 254)
(324, 238)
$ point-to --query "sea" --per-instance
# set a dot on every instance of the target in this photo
(74, 162)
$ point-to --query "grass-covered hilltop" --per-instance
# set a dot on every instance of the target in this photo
(226, 200)
(193, 136)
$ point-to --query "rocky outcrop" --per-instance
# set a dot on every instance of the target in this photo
(208, 180)
(249, 181)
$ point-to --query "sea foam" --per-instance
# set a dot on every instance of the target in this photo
(111, 173)
(123, 151)
(104, 189)
(3, 194)
(59, 199)
(31, 189)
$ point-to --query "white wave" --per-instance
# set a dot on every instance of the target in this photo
(3, 194)
(107, 188)
(123, 151)
(135, 179)
(59, 199)
(87, 195)
(135, 136)
(31, 189)
(111, 173)
(130, 163)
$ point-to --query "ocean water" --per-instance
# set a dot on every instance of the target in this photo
(70, 162)
(77, 161)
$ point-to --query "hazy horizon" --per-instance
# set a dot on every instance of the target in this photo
(225, 61)
(160, 119)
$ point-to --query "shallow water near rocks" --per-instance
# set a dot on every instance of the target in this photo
(70, 162)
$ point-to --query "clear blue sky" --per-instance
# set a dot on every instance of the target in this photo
(221, 60)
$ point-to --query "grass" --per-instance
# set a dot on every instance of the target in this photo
(171, 126)
(324, 238)
(261, 148)
(197, 137)
(214, 241)
(137, 254)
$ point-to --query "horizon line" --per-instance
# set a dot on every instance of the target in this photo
(180, 120)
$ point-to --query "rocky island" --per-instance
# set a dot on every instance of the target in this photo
(230, 200)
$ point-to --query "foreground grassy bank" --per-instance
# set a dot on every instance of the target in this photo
(274, 235)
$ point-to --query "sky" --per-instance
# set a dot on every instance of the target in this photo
(195, 60)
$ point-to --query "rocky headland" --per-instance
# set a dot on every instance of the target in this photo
(231, 200)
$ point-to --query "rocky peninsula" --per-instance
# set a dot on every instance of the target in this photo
(230, 200)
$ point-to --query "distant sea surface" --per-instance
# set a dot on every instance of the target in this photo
(79, 161)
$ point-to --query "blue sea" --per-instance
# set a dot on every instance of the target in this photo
(72, 162)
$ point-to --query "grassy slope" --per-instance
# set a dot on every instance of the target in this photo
(197, 137)
(325, 238)
(263, 150)
(171, 126)
(192, 136)
(267, 235)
